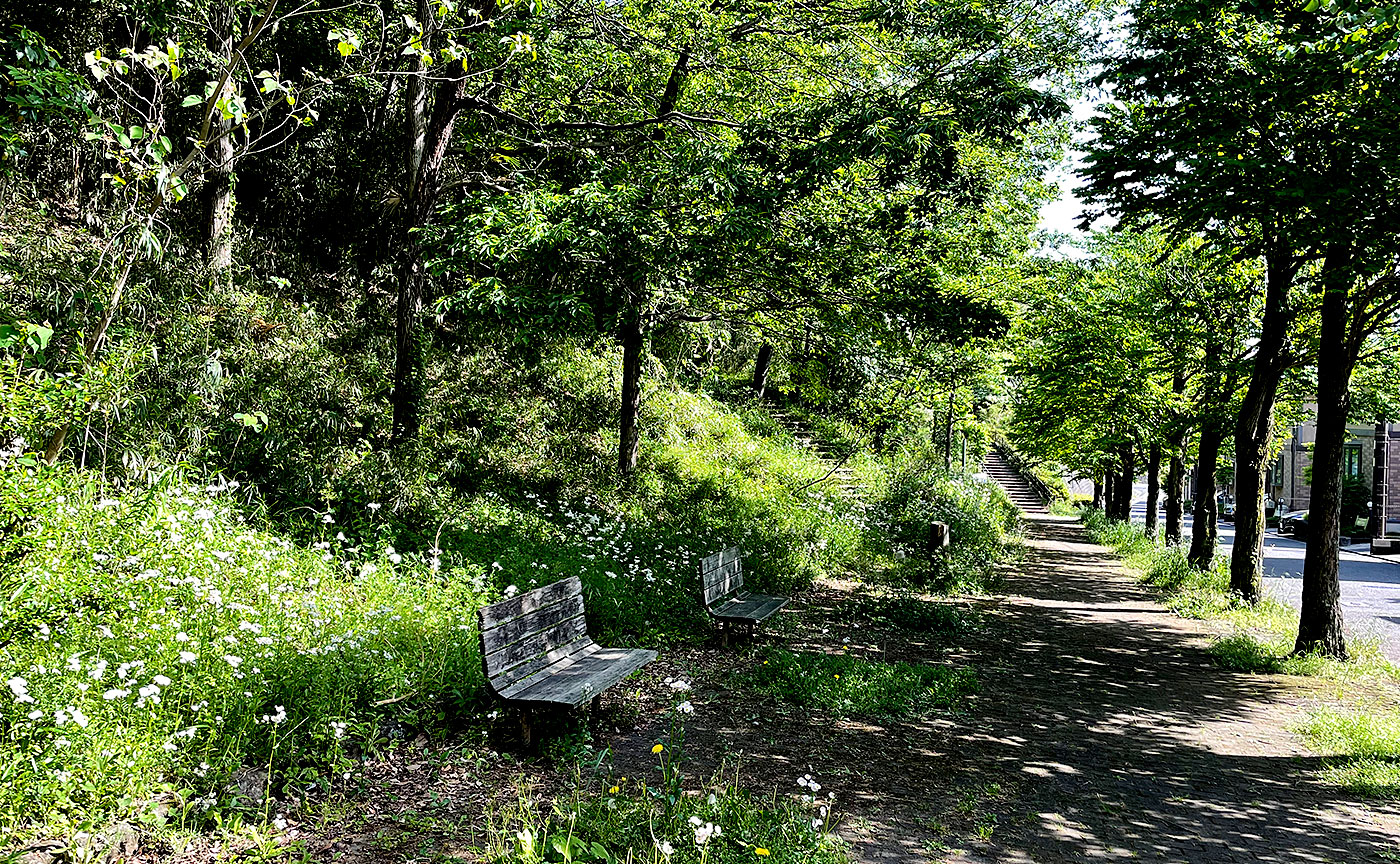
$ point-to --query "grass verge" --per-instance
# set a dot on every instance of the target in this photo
(1367, 747)
(1263, 634)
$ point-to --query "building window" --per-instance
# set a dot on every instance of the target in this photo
(1351, 461)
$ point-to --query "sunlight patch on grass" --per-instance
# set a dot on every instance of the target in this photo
(1368, 747)
(847, 685)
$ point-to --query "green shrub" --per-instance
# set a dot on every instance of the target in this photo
(981, 522)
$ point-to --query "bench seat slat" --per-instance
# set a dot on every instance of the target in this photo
(508, 679)
(749, 607)
(583, 677)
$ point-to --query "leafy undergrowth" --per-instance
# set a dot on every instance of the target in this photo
(1367, 746)
(846, 685)
(613, 819)
(1263, 634)
(156, 648)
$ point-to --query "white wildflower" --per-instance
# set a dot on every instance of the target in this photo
(20, 688)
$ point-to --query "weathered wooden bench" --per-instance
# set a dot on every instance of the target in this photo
(535, 649)
(722, 575)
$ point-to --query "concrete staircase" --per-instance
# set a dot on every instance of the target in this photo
(1011, 481)
(841, 479)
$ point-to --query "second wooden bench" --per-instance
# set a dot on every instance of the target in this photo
(722, 575)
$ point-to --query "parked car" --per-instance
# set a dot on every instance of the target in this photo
(1295, 524)
(1225, 508)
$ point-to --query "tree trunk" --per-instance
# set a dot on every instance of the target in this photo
(1154, 472)
(1176, 486)
(413, 272)
(1203, 531)
(1254, 431)
(416, 111)
(219, 227)
(1110, 494)
(760, 369)
(629, 433)
(948, 434)
(1176, 469)
(1320, 622)
(1123, 498)
(1098, 492)
(218, 240)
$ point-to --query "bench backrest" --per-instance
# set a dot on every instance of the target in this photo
(722, 574)
(526, 633)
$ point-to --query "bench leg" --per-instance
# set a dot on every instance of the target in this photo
(724, 633)
(525, 725)
(596, 703)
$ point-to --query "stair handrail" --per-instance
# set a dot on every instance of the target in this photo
(1022, 468)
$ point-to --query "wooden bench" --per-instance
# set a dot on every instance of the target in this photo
(535, 649)
(722, 575)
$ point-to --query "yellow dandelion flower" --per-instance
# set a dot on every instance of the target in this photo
(658, 748)
(612, 791)
(761, 852)
(835, 676)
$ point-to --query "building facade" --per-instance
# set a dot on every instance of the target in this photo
(1288, 478)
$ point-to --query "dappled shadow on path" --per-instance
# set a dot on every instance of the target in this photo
(1101, 730)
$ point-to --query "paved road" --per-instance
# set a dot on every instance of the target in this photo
(1370, 586)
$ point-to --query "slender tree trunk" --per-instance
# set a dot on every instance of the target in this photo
(1176, 485)
(1154, 472)
(218, 248)
(1110, 490)
(1098, 492)
(948, 434)
(629, 437)
(1320, 622)
(1124, 497)
(1176, 470)
(760, 369)
(1203, 529)
(413, 272)
(1254, 431)
(416, 111)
